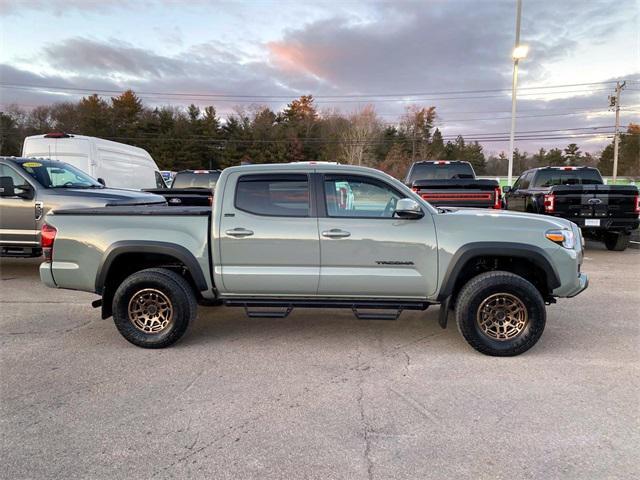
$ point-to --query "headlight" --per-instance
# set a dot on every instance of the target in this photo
(566, 238)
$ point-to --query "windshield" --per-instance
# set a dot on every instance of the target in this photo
(440, 171)
(55, 174)
(205, 179)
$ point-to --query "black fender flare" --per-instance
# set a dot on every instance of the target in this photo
(499, 249)
(148, 246)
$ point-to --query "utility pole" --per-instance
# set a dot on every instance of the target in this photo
(518, 53)
(615, 102)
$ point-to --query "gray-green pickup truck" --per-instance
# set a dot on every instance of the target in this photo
(285, 236)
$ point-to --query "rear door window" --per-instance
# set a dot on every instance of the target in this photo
(274, 195)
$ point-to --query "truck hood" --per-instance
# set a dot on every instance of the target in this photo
(98, 197)
(506, 215)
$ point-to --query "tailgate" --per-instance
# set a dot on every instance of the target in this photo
(460, 193)
(596, 201)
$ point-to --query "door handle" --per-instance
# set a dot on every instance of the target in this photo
(335, 233)
(239, 232)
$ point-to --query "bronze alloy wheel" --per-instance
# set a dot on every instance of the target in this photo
(502, 316)
(150, 311)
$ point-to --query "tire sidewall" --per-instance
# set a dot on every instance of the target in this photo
(169, 287)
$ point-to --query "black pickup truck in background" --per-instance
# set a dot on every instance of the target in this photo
(190, 188)
(604, 212)
(453, 183)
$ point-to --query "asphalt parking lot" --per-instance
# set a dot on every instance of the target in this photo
(320, 394)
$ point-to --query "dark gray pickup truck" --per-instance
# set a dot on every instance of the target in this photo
(30, 187)
(453, 183)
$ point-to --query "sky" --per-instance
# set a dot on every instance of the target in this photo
(454, 55)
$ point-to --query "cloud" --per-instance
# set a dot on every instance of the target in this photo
(58, 7)
(400, 47)
(84, 56)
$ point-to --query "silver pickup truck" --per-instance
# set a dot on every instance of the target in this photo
(284, 236)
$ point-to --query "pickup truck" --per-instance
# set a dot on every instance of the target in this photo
(190, 188)
(281, 236)
(453, 183)
(604, 212)
(30, 187)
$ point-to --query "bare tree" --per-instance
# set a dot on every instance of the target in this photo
(357, 139)
(416, 124)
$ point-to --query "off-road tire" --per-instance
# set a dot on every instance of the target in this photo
(174, 287)
(489, 284)
(617, 242)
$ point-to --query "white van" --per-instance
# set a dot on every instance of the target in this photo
(116, 164)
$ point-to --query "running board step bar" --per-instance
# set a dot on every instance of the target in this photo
(287, 305)
(376, 315)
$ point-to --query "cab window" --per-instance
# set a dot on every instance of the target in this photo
(352, 196)
(274, 195)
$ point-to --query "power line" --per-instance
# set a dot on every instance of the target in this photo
(232, 96)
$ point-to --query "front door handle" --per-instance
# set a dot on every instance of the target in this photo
(239, 232)
(335, 233)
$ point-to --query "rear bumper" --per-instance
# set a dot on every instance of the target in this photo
(46, 275)
(606, 224)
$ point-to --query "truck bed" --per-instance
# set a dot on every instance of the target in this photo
(84, 233)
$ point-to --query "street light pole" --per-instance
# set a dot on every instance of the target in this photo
(514, 86)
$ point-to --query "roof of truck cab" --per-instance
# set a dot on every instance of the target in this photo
(301, 167)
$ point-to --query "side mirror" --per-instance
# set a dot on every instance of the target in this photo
(102, 182)
(506, 189)
(408, 208)
(7, 188)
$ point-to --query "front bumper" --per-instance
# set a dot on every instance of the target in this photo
(580, 286)
(46, 275)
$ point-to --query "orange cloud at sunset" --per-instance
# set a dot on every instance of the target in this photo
(299, 58)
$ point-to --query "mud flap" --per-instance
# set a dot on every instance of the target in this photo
(445, 306)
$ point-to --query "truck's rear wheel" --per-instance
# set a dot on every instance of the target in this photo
(616, 241)
(153, 308)
(500, 314)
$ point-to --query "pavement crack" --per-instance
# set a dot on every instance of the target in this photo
(194, 380)
(366, 429)
(413, 403)
(407, 364)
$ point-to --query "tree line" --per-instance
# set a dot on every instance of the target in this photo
(195, 137)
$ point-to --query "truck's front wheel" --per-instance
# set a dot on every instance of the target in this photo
(152, 308)
(500, 314)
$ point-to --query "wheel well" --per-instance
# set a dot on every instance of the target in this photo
(129, 263)
(523, 267)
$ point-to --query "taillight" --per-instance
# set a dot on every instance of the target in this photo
(549, 203)
(497, 198)
(47, 236)
(638, 204)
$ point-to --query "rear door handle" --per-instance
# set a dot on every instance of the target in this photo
(335, 233)
(239, 232)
